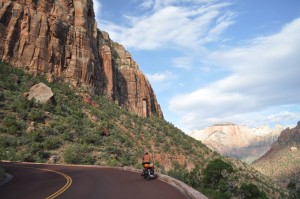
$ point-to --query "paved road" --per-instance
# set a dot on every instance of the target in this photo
(56, 181)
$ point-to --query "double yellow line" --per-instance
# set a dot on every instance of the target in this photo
(64, 188)
(60, 191)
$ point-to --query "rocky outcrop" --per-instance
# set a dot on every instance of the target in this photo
(293, 149)
(288, 139)
(40, 92)
(282, 161)
(238, 141)
(59, 38)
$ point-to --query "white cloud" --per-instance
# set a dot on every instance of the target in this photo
(172, 24)
(159, 77)
(97, 8)
(161, 81)
(183, 62)
(147, 4)
(283, 117)
(222, 23)
(264, 74)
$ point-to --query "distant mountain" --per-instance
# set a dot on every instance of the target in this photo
(238, 141)
(282, 161)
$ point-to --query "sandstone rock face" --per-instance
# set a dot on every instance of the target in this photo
(282, 161)
(238, 141)
(59, 38)
(40, 92)
(289, 138)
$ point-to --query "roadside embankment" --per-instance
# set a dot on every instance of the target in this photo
(189, 191)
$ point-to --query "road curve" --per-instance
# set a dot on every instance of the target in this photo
(57, 181)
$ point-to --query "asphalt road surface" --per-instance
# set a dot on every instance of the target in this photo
(56, 181)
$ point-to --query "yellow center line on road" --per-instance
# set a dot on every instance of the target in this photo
(64, 188)
(61, 190)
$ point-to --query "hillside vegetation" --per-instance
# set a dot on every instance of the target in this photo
(67, 130)
(282, 161)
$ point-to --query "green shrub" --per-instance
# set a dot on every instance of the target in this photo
(213, 172)
(291, 185)
(7, 141)
(294, 194)
(113, 162)
(90, 138)
(23, 105)
(127, 159)
(13, 125)
(166, 147)
(88, 159)
(78, 154)
(37, 115)
(51, 143)
(251, 191)
(9, 121)
(2, 97)
(72, 154)
(7, 153)
(35, 136)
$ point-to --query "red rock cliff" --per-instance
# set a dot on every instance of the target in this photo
(59, 38)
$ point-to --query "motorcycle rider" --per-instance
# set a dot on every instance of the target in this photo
(146, 158)
(146, 162)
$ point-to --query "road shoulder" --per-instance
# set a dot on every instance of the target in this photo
(4, 177)
(186, 189)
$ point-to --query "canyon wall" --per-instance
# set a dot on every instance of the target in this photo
(282, 160)
(60, 39)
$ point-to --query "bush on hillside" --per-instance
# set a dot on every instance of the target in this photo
(291, 185)
(294, 192)
(51, 143)
(215, 180)
(13, 126)
(214, 172)
(251, 191)
(77, 154)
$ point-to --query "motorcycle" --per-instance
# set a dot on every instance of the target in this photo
(148, 171)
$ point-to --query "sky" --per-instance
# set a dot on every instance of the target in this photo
(213, 61)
